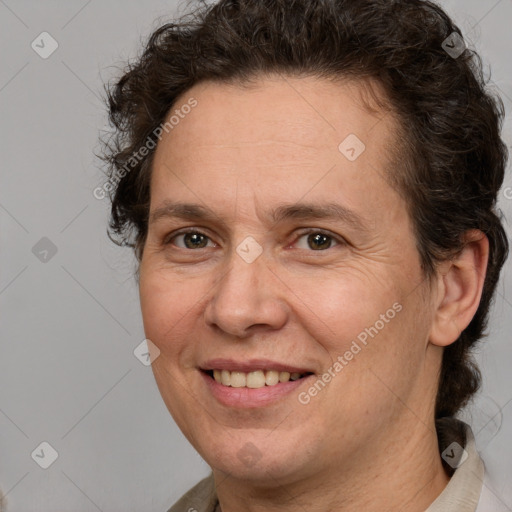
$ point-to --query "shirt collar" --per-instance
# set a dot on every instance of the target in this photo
(463, 490)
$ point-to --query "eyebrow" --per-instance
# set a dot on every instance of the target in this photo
(297, 211)
(325, 211)
(185, 211)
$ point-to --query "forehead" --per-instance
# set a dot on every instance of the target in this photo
(296, 109)
(279, 136)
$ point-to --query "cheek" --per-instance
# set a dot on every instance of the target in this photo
(368, 333)
(341, 305)
(166, 305)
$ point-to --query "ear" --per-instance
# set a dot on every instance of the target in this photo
(460, 283)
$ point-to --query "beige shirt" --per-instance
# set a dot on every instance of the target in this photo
(462, 494)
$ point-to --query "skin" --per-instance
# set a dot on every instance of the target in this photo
(367, 440)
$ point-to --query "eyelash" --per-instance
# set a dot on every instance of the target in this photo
(336, 239)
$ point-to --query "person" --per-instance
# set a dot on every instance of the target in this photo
(310, 189)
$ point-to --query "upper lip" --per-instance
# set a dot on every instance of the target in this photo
(251, 365)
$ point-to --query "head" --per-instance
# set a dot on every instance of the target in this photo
(411, 255)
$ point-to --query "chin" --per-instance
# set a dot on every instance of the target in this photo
(253, 458)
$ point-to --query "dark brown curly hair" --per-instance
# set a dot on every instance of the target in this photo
(452, 158)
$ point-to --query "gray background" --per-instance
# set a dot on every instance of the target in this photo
(69, 325)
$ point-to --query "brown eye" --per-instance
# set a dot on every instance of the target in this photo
(190, 240)
(317, 241)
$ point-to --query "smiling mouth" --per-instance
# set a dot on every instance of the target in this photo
(255, 379)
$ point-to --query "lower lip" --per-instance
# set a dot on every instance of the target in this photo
(248, 397)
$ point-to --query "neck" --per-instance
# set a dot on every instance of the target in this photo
(399, 473)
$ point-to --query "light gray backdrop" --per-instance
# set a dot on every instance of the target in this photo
(70, 318)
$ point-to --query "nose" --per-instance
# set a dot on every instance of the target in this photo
(247, 298)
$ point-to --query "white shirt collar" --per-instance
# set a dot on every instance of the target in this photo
(463, 490)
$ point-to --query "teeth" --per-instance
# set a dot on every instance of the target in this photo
(226, 378)
(256, 379)
(284, 377)
(271, 378)
(253, 380)
(238, 380)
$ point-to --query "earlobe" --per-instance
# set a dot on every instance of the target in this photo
(460, 285)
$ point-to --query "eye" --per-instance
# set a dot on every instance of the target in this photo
(317, 240)
(191, 239)
(313, 239)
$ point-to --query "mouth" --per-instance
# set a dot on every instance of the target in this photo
(254, 379)
(251, 383)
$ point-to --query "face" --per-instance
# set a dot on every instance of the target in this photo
(272, 250)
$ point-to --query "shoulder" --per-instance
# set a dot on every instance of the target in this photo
(201, 498)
